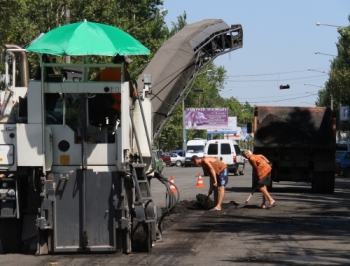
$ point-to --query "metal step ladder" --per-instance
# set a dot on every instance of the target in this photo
(143, 191)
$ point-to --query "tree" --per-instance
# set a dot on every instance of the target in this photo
(181, 22)
(21, 21)
(338, 84)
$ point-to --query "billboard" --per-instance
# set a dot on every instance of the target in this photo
(230, 129)
(206, 118)
(239, 134)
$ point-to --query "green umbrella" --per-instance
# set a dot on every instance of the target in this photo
(87, 38)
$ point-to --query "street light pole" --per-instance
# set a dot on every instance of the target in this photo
(184, 126)
(143, 22)
(199, 95)
(67, 22)
(331, 94)
(325, 54)
(323, 24)
(311, 69)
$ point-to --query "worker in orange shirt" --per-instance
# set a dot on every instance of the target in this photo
(262, 174)
(218, 173)
(115, 74)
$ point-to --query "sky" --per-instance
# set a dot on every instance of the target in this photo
(280, 39)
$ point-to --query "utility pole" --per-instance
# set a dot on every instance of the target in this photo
(331, 101)
(183, 126)
(67, 22)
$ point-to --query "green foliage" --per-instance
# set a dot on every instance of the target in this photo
(211, 80)
(181, 22)
(338, 83)
(21, 21)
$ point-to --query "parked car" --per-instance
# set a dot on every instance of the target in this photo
(194, 147)
(181, 153)
(176, 159)
(344, 161)
(166, 159)
(227, 151)
(338, 156)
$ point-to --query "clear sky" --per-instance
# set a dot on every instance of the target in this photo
(279, 45)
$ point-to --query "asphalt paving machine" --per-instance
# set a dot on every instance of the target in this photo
(76, 178)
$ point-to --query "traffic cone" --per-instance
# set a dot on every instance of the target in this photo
(172, 187)
(200, 183)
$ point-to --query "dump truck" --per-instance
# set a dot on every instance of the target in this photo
(76, 178)
(299, 142)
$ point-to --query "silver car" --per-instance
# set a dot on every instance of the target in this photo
(176, 159)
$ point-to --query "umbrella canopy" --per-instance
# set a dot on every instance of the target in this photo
(87, 38)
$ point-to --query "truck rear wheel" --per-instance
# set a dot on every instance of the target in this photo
(346, 172)
(323, 182)
(317, 182)
(329, 179)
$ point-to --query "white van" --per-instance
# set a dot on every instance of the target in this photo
(226, 150)
(194, 147)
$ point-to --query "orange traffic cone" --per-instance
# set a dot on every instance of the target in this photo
(200, 183)
(172, 187)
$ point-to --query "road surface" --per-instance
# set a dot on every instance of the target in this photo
(303, 229)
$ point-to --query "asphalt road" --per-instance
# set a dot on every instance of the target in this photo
(303, 229)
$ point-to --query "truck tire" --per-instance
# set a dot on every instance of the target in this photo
(317, 182)
(323, 182)
(329, 179)
(10, 235)
(346, 172)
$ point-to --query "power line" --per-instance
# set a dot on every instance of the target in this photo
(282, 100)
(267, 74)
(273, 80)
(283, 96)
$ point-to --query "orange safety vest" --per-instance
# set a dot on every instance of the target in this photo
(260, 165)
(218, 166)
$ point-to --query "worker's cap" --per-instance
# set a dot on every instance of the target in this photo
(245, 153)
(121, 58)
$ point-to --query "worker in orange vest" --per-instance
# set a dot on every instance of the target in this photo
(115, 74)
(262, 174)
(218, 173)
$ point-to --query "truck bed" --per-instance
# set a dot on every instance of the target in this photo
(294, 126)
(300, 143)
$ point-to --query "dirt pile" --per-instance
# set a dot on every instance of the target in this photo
(274, 129)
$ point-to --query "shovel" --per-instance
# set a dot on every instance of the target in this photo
(251, 194)
(233, 202)
(207, 197)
